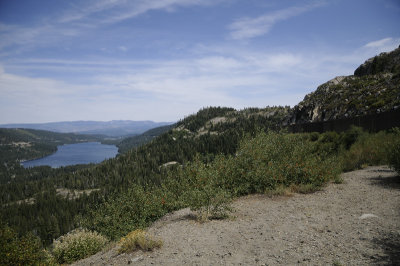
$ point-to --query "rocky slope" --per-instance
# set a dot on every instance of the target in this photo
(374, 88)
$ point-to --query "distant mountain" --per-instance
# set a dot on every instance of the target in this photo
(115, 128)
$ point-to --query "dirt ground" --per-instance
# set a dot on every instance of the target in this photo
(354, 223)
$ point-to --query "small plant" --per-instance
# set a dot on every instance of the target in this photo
(280, 190)
(338, 179)
(210, 204)
(336, 263)
(138, 239)
(77, 244)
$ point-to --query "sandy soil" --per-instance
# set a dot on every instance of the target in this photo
(354, 223)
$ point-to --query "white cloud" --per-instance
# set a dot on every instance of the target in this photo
(78, 20)
(280, 62)
(217, 63)
(22, 38)
(112, 11)
(383, 45)
(178, 87)
(137, 90)
(122, 48)
(379, 43)
(247, 28)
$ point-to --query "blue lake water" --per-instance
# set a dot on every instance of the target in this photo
(80, 153)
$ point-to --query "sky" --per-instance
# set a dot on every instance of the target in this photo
(163, 60)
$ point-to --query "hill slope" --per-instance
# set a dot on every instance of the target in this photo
(133, 142)
(374, 88)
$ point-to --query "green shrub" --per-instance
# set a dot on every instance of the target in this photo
(205, 196)
(15, 250)
(77, 244)
(329, 142)
(314, 136)
(369, 149)
(270, 160)
(134, 209)
(138, 239)
(349, 137)
(393, 151)
(262, 164)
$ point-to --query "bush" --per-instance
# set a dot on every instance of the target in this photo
(349, 137)
(314, 136)
(138, 239)
(134, 209)
(77, 244)
(262, 164)
(329, 142)
(204, 195)
(15, 250)
(369, 149)
(268, 161)
(394, 151)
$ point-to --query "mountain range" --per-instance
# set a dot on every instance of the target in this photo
(115, 128)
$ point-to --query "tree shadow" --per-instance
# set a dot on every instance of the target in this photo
(389, 182)
(390, 243)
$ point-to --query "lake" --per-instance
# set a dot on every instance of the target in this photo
(79, 153)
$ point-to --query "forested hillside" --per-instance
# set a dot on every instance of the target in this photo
(235, 145)
(133, 142)
(196, 134)
(18, 145)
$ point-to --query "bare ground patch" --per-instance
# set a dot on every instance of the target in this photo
(354, 223)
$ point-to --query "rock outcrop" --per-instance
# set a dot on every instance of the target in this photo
(374, 88)
(383, 63)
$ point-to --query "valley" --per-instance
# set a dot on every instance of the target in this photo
(219, 154)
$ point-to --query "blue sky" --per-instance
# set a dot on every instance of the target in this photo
(162, 60)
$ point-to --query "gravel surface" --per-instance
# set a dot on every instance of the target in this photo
(354, 223)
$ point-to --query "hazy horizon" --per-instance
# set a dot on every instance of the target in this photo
(99, 121)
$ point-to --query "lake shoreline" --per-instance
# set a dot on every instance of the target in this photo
(74, 154)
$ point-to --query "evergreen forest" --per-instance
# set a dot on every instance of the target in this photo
(203, 162)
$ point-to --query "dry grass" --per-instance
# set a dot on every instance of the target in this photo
(77, 244)
(280, 190)
(138, 239)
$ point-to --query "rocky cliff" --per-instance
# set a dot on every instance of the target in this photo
(374, 88)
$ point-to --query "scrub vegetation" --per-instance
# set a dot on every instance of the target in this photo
(203, 162)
